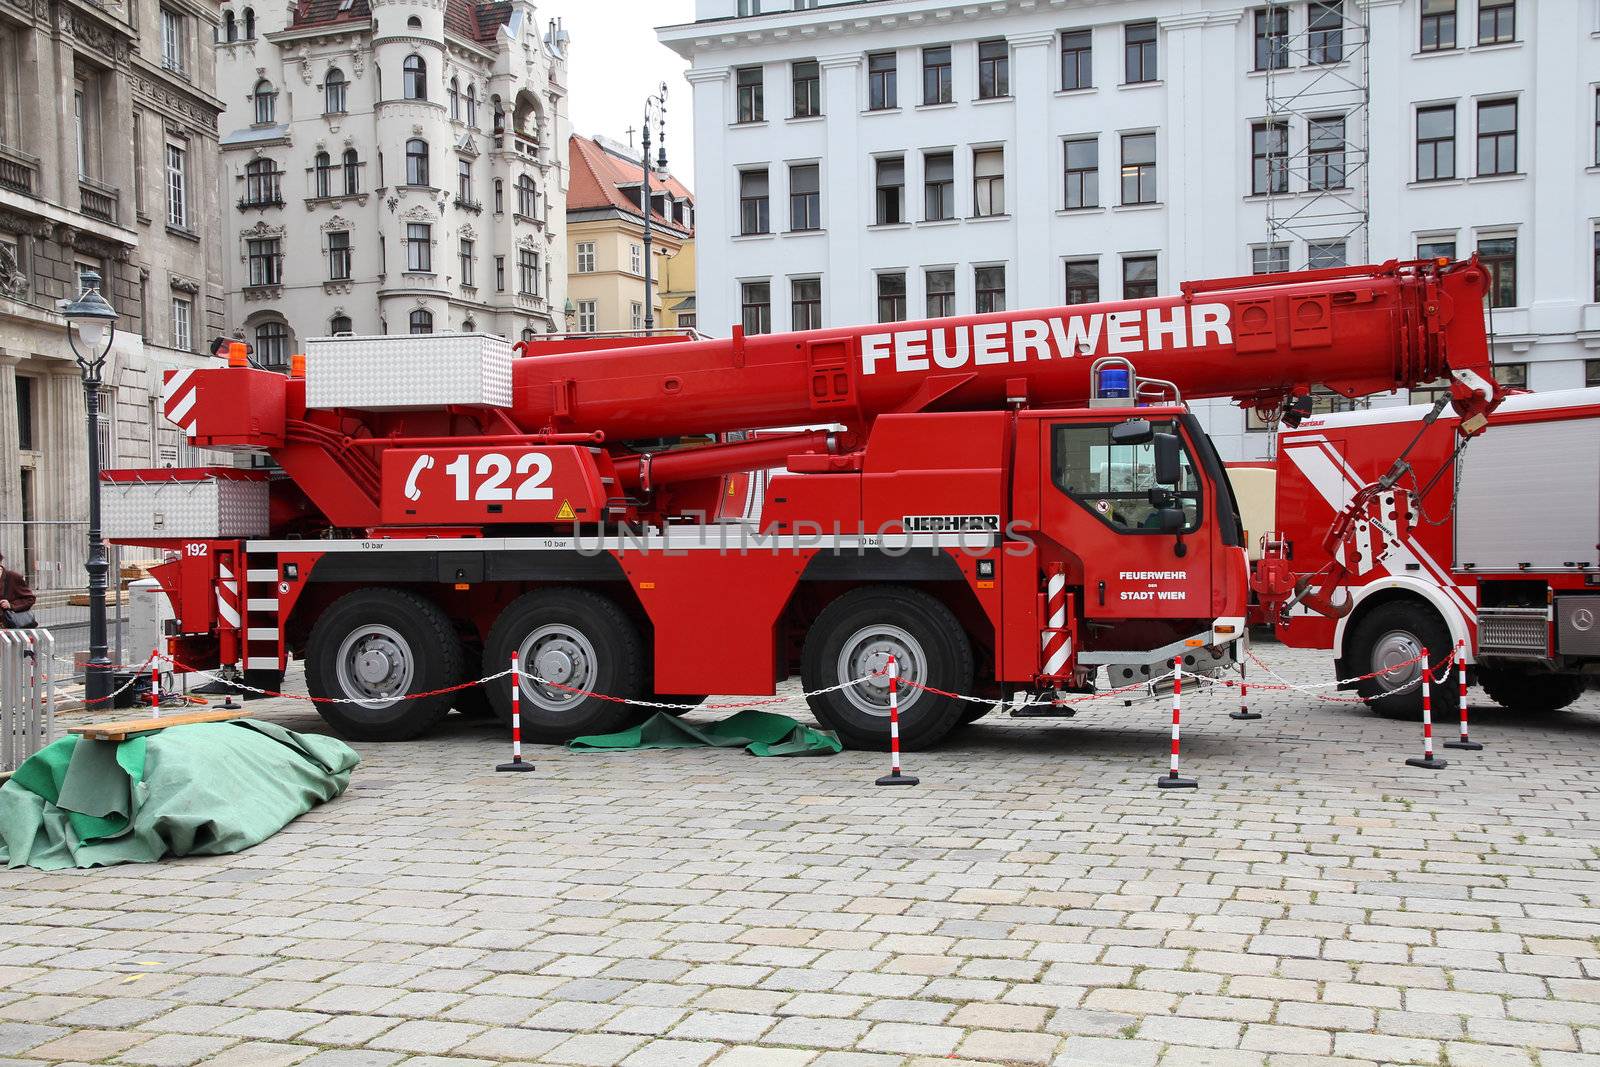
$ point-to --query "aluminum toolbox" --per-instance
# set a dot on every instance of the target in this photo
(1526, 498)
(194, 502)
(408, 371)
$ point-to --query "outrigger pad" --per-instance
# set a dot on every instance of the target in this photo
(761, 733)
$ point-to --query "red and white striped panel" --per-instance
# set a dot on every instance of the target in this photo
(177, 400)
(228, 596)
(1057, 644)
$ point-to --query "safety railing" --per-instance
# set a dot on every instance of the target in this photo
(27, 695)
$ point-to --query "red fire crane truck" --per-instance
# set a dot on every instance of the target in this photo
(1495, 546)
(1007, 502)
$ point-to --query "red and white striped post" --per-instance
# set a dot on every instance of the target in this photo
(1171, 780)
(1428, 760)
(155, 683)
(1461, 681)
(1244, 711)
(517, 763)
(894, 777)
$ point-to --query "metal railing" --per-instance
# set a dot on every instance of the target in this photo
(50, 555)
(27, 695)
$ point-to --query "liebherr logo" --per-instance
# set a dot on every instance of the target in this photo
(1058, 337)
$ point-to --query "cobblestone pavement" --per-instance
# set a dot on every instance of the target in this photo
(1035, 900)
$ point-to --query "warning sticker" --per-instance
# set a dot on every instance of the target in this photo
(566, 511)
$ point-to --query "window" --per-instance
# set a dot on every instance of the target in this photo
(414, 80)
(585, 257)
(264, 256)
(805, 304)
(994, 69)
(340, 325)
(892, 297)
(174, 41)
(882, 72)
(636, 259)
(941, 286)
(339, 255)
(421, 321)
(1325, 158)
(1116, 482)
(1597, 266)
(1138, 277)
(1436, 249)
(752, 108)
(182, 324)
(178, 187)
(989, 289)
(472, 106)
(753, 206)
(468, 259)
(1436, 143)
(1138, 168)
(636, 315)
(1077, 59)
(749, 7)
(25, 441)
(1269, 259)
(937, 87)
(807, 89)
(499, 274)
(527, 197)
(1499, 258)
(1269, 158)
(1497, 137)
(334, 96)
(527, 272)
(938, 186)
(805, 199)
(1272, 38)
(416, 161)
(265, 101)
(1497, 21)
(419, 247)
(588, 317)
(988, 182)
(755, 307)
(352, 172)
(1321, 255)
(1083, 281)
(464, 181)
(229, 33)
(272, 344)
(1325, 31)
(261, 183)
(321, 175)
(1082, 162)
(499, 196)
(1438, 25)
(249, 24)
(453, 92)
(891, 195)
(1139, 52)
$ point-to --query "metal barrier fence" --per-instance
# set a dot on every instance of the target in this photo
(27, 694)
(50, 554)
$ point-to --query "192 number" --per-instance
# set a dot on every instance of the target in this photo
(496, 469)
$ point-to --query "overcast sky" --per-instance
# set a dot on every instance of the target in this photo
(616, 62)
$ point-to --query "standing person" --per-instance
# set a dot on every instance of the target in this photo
(16, 599)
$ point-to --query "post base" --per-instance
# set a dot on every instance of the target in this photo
(1251, 715)
(1470, 746)
(515, 765)
(898, 779)
(1430, 763)
(229, 705)
(1167, 781)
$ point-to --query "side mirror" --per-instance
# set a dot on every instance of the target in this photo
(1132, 432)
(1169, 467)
(1160, 498)
(1172, 520)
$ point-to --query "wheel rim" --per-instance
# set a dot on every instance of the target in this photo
(866, 653)
(375, 666)
(558, 653)
(1395, 647)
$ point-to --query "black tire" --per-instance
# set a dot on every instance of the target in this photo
(1395, 632)
(612, 664)
(1529, 692)
(406, 636)
(936, 651)
(971, 713)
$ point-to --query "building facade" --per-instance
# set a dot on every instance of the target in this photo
(605, 240)
(108, 149)
(392, 167)
(885, 159)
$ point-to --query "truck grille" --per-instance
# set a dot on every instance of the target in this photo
(1522, 632)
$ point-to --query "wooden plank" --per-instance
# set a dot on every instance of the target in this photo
(119, 731)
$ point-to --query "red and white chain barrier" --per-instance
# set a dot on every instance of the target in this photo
(516, 763)
(1465, 742)
(1428, 760)
(894, 777)
(1171, 780)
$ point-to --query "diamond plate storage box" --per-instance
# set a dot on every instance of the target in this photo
(193, 503)
(408, 371)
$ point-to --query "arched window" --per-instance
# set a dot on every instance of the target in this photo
(469, 326)
(472, 106)
(266, 101)
(421, 321)
(499, 196)
(413, 23)
(334, 87)
(261, 183)
(272, 344)
(230, 28)
(340, 324)
(352, 172)
(499, 120)
(415, 79)
(416, 161)
(249, 24)
(322, 173)
(455, 100)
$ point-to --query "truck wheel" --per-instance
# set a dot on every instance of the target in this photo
(577, 640)
(372, 647)
(971, 713)
(1529, 693)
(854, 637)
(1393, 633)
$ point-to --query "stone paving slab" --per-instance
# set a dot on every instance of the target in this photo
(1035, 901)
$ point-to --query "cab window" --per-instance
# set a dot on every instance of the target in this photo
(1117, 483)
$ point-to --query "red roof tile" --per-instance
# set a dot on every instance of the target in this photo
(475, 20)
(598, 175)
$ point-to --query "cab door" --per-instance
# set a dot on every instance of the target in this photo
(1145, 547)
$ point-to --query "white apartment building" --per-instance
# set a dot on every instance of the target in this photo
(392, 167)
(861, 160)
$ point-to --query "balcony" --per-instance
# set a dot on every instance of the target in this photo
(269, 200)
(97, 201)
(468, 204)
(19, 171)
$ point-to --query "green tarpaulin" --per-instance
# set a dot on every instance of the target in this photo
(199, 790)
(759, 732)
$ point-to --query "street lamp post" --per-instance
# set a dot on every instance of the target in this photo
(655, 106)
(91, 325)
